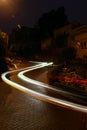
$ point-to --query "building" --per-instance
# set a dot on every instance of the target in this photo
(78, 39)
(66, 29)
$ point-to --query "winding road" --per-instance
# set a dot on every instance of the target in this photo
(36, 91)
(27, 102)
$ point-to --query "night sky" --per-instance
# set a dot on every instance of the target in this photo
(27, 12)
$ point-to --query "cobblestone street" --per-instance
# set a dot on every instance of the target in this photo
(19, 111)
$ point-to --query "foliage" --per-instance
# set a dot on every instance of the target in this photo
(71, 78)
(51, 20)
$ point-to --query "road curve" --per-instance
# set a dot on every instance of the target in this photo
(53, 100)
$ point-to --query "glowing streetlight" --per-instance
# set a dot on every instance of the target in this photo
(4, 0)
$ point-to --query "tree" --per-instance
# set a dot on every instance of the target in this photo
(51, 20)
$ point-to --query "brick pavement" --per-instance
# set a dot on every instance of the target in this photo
(20, 111)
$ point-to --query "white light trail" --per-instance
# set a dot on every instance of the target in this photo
(43, 97)
(29, 80)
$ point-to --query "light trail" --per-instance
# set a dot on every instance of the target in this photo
(29, 80)
(8, 81)
(38, 95)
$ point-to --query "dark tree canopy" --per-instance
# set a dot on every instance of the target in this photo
(51, 20)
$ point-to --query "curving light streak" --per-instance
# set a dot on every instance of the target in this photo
(37, 94)
(29, 80)
(8, 81)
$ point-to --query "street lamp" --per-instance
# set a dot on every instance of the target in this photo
(4, 1)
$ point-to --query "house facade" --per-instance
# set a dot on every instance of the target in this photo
(65, 30)
(78, 39)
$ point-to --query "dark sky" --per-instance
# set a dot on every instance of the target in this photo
(27, 12)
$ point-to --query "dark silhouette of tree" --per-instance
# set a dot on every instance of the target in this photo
(51, 20)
